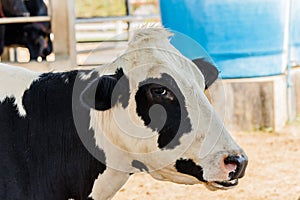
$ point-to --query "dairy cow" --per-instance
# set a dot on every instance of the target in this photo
(81, 134)
(34, 36)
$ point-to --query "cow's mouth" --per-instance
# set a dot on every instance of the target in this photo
(223, 184)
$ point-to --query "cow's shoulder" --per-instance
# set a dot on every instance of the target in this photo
(13, 82)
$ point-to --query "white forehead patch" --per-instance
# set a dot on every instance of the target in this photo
(149, 36)
(14, 81)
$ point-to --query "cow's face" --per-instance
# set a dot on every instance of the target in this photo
(150, 113)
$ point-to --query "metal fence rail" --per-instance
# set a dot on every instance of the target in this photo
(13, 20)
(128, 18)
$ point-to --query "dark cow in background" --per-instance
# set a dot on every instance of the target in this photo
(81, 134)
(34, 36)
(2, 35)
(2, 30)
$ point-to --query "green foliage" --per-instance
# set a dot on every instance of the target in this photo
(99, 8)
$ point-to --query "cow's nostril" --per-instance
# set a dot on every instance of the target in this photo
(236, 166)
(231, 166)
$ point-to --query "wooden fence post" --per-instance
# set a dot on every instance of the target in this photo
(63, 28)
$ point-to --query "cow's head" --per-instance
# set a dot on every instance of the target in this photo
(149, 112)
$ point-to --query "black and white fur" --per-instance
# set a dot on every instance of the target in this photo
(80, 134)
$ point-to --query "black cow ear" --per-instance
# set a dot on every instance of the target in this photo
(209, 71)
(104, 92)
(98, 94)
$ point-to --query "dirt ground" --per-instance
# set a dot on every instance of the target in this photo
(273, 173)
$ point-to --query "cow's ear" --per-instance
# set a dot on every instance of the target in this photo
(104, 92)
(209, 71)
(98, 94)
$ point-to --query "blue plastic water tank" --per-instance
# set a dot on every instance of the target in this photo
(244, 37)
(295, 32)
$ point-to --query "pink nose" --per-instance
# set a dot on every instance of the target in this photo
(231, 167)
(236, 166)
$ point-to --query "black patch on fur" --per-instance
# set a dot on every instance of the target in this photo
(188, 166)
(140, 166)
(167, 113)
(42, 155)
(209, 71)
(104, 92)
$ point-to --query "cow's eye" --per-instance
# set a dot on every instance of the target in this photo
(161, 91)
